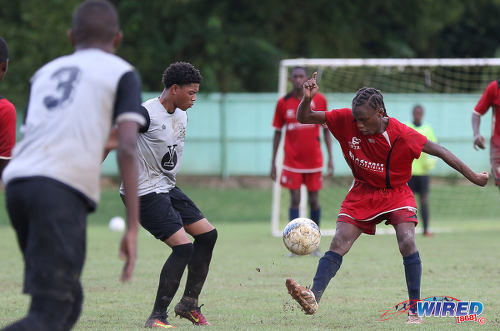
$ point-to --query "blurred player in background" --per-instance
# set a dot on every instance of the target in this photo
(165, 211)
(490, 98)
(419, 181)
(53, 179)
(303, 163)
(379, 150)
(7, 113)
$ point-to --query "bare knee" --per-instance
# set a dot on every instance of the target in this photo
(294, 198)
(341, 244)
(313, 200)
(407, 244)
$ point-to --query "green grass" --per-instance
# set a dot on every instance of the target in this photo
(245, 288)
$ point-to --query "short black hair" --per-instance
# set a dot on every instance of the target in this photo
(95, 21)
(370, 96)
(298, 68)
(181, 73)
(4, 50)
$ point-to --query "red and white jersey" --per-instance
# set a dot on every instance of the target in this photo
(491, 98)
(302, 141)
(381, 160)
(7, 128)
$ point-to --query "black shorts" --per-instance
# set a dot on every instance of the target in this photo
(50, 221)
(163, 214)
(419, 184)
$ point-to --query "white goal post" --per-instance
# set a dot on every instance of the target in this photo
(446, 75)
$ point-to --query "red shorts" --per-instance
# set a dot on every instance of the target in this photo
(393, 217)
(293, 180)
(495, 160)
(365, 202)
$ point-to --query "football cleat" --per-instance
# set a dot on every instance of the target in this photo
(304, 296)
(414, 318)
(158, 322)
(192, 314)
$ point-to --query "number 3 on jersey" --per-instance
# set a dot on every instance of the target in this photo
(66, 79)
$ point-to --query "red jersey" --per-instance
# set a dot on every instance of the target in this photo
(302, 141)
(491, 98)
(7, 128)
(381, 160)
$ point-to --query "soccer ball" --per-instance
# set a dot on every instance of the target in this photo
(116, 224)
(301, 236)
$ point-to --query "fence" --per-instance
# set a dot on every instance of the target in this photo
(231, 134)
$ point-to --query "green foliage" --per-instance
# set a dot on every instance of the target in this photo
(238, 44)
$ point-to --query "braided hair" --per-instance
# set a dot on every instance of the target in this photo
(370, 96)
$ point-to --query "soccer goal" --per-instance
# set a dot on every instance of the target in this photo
(394, 77)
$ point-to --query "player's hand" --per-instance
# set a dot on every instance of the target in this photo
(310, 87)
(273, 172)
(128, 252)
(481, 178)
(479, 142)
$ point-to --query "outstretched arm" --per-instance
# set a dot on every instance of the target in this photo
(478, 138)
(304, 113)
(478, 178)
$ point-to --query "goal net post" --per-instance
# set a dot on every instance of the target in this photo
(392, 76)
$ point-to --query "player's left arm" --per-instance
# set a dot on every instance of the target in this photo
(7, 136)
(478, 178)
(328, 142)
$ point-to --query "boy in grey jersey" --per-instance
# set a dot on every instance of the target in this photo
(165, 211)
(52, 181)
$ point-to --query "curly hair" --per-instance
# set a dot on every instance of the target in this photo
(370, 96)
(181, 73)
(4, 50)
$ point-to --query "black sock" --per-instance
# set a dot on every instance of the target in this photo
(170, 277)
(199, 265)
(328, 266)
(45, 314)
(293, 213)
(425, 217)
(413, 272)
(316, 215)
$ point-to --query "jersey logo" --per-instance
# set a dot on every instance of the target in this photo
(169, 160)
(290, 113)
(66, 79)
(354, 143)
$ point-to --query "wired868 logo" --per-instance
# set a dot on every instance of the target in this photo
(444, 306)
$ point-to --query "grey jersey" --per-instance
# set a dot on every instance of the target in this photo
(160, 147)
(73, 102)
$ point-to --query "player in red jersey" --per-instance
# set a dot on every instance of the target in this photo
(490, 98)
(7, 113)
(303, 162)
(379, 151)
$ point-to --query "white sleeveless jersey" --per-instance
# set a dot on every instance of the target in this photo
(73, 101)
(160, 148)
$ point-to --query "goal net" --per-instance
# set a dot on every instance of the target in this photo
(448, 89)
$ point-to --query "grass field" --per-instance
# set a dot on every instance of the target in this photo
(245, 288)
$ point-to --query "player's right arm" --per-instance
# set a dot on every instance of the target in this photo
(478, 138)
(305, 114)
(481, 108)
(276, 143)
(478, 178)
